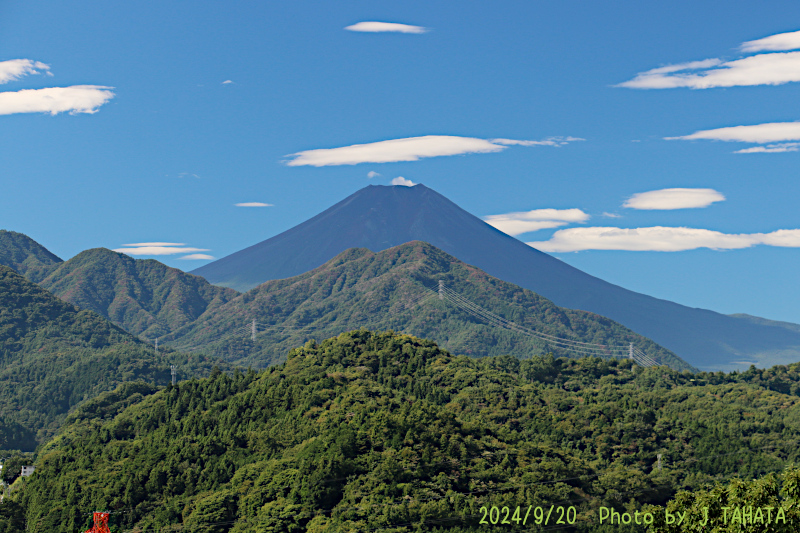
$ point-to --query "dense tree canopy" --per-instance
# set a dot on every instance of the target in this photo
(387, 290)
(386, 432)
(54, 356)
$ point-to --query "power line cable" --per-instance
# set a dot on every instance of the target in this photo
(565, 344)
(511, 325)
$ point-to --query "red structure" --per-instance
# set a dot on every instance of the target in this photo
(100, 524)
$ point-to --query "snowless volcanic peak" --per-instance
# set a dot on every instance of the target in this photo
(376, 217)
(379, 217)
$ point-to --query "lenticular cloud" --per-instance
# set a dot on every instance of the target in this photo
(157, 248)
(384, 27)
(780, 41)
(678, 198)
(55, 100)
(528, 221)
(661, 239)
(757, 133)
(775, 67)
(411, 149)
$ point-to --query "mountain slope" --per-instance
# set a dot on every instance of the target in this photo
(144, 297)
(25, 255)
(387, 290)
(791, 326)
(53, 356)
(388, 432)
(379, 217)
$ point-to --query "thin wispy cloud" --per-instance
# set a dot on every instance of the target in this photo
(372, 174)
(227, 82)
(386, 27)
(15, 69)
(197, 256)
(55, 100)
(757, 133)
(774, 135)
(158, 248)
(400, 180)
(666, 199)
(526, 221)
(253, 204)
(550, 141)
(156, 244)
(661, 239)
(773, 68)
(770, 149)
(410, 149)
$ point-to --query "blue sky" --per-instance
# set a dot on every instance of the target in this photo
(118, 128)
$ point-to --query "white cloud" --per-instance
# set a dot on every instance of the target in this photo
(761, 69)
(780, 41)
(227, 82)
(658, 78)
(785, 238)
(674, 199)
(188, 175)
(54, 100)
(550, 141)
(382, 27)
(372, 174)
(400, 180)
(757, 133)
(158, 248)
(408, 149)
(156, 244)
(526, 221)
(611, 215)
(770, 149)
(661, 239)
(774, 132)
(197, 256)
(774, 68)
(14, 69)
(254, 204)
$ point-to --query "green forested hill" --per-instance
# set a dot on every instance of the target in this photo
(25, 255)
(359, 288)
(144, 297)
(53, 356)
(356, 289)
(770, 504)
(386, 432)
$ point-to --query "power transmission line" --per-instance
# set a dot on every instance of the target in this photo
(585, 348)
(254, 328)
(579, 347)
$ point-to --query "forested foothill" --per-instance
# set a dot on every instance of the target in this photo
(388, 290)
(387, 432)
(54, 355)
(143, 296)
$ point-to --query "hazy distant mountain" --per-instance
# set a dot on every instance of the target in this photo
(381, 291)
(767, 322)
(144, 297)
(379, 217)
(54, 355)
(25, 255)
